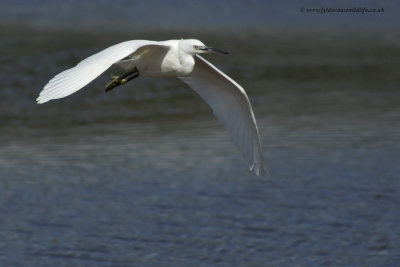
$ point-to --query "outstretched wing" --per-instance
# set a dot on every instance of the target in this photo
(71, 80)
(231, 106)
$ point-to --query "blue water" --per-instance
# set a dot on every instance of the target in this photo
(145, 175)
(233, 15)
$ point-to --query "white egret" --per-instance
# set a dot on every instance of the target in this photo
(173, 58)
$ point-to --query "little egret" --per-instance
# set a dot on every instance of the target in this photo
(173, 58)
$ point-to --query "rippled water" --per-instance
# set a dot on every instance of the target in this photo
(145, 175)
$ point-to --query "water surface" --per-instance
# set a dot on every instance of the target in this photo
(146, 176)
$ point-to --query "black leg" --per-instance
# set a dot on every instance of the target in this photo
(127, 74)
(117, 81)
(135, 75)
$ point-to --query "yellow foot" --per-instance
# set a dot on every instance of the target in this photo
(113, 83)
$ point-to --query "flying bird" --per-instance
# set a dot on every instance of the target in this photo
(172, 58)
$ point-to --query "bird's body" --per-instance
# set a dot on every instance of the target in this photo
(164, 60)
(173, 58)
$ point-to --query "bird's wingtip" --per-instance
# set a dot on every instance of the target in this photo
(41, 100)
(259, 170)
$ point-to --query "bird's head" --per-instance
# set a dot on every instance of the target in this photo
(193, 46)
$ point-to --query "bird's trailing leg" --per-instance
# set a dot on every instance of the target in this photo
(123, 79)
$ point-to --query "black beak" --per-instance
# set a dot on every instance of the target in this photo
(212, 49)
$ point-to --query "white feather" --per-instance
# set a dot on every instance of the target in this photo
(71, 80)
(231, 106)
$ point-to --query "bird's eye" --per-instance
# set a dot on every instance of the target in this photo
(196, 47)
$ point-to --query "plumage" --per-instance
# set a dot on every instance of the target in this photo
(173, 58)
(231, 106)
(70, 81)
